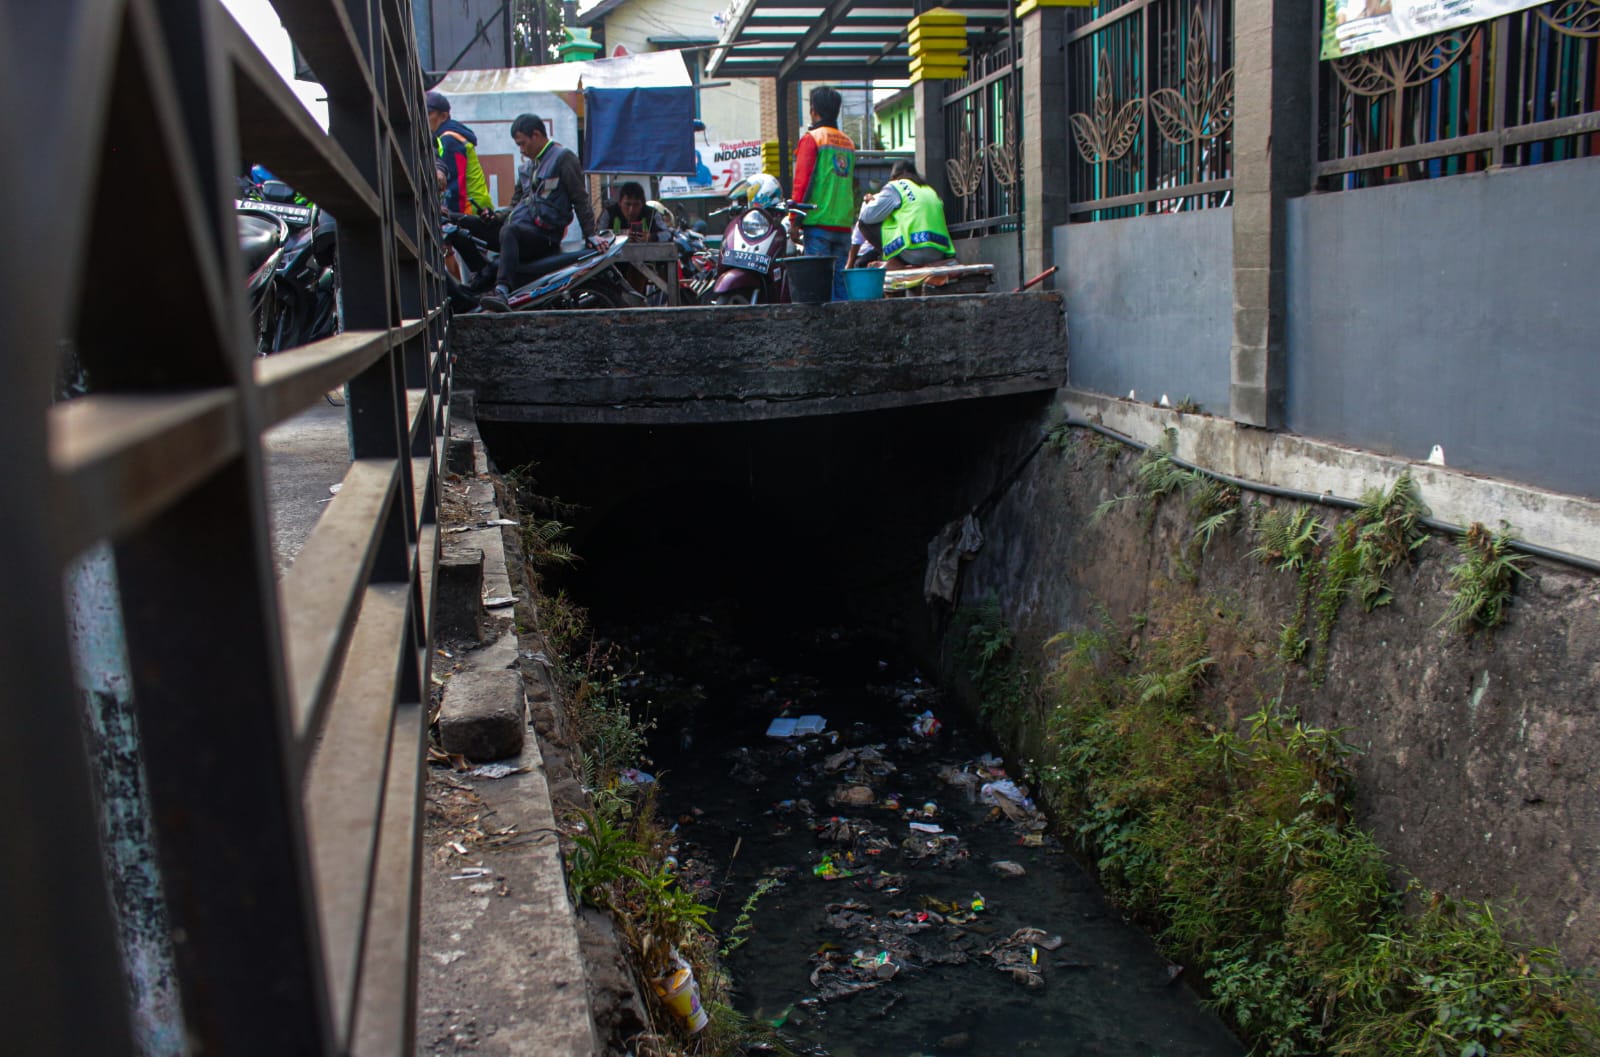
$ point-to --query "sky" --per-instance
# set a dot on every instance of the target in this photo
(260, 23)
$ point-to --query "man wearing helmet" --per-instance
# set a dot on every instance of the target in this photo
(824, 176)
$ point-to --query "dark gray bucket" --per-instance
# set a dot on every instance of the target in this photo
(810, 279)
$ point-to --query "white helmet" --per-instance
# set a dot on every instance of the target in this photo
(663, 212)
(764, 191)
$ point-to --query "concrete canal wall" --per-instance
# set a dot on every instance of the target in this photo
(1474, 771)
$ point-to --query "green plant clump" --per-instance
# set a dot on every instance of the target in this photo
(986, 647)
(1354, 557)
(1481, 583)
(1235, 846)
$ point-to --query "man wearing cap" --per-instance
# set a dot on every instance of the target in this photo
(465, 189)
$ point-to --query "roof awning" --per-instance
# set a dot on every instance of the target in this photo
(653, 69)
(845, 40)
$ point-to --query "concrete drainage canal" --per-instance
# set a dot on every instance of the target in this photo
(766, 737)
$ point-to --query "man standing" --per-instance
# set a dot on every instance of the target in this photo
(551, 190)
(824, 176)
(465, 189)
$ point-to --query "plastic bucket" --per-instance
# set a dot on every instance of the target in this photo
(810, 279)
(863, 284)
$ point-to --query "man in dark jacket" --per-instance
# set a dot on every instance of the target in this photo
(551, 191)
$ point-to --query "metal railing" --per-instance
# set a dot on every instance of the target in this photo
(1520, 89)
(281, 724)
(1150, 94)
(983, 138)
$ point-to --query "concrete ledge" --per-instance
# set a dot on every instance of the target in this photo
(501, 971)
(484, 715)
(1547, 519)
(692, 365)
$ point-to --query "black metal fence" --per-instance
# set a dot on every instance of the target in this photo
(1521, 89)
(1150, 94)
(983, 138)
(281, 724)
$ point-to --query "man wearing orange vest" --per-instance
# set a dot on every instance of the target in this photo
(825, 176)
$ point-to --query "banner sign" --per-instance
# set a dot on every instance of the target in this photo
(1351, 26)
(718, 166)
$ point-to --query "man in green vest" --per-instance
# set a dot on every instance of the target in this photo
(906, 219)
(825, 177)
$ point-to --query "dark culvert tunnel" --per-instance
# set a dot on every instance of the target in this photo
(795, 520)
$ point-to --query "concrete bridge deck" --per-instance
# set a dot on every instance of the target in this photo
(742, 364)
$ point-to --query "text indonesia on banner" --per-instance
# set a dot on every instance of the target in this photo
(1350, 26)
(718, 166)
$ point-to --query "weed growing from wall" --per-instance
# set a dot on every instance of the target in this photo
(1481, 583)
(1212, 504)
(1235, 845)
(1352, 557)
(986, 648)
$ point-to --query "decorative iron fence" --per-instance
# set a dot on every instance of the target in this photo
(983, 137)
(281, 724)
(1150, 93)
(1521, 89)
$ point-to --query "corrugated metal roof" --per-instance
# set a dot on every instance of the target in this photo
(842, 40)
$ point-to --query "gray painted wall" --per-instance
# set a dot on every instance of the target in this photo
(1491, 352)
(998, 250)
(1150, 305)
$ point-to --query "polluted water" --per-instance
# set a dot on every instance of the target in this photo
(884, 883)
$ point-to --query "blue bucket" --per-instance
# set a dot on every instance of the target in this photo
(863, 284)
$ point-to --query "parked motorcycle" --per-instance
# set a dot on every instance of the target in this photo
(290, 247)
(753, 244)
(587, 278)
(697, 264)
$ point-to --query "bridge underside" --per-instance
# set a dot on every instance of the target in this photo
(707, 365)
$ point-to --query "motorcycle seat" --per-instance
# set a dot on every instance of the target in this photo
(527, 273)
(259, 237)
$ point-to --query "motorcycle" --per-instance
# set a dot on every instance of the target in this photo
(697, 264)
(587, 278)
(750, 269)
(291, 248)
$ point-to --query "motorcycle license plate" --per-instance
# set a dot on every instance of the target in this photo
(294, 214)
(753, 262)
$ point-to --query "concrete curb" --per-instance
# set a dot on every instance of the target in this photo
(1548, 519)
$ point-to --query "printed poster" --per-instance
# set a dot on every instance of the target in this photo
(717, 167)
(1352, 26)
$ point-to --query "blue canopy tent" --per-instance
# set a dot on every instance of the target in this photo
(639, 130)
